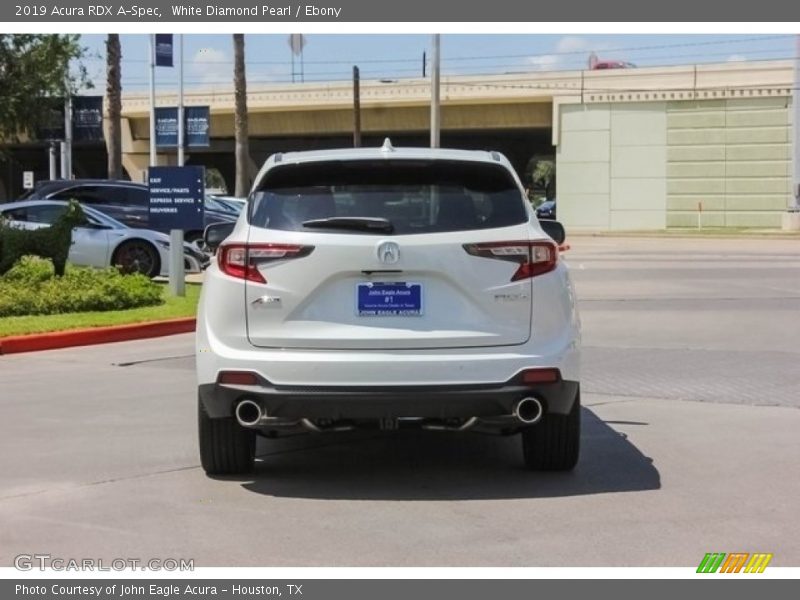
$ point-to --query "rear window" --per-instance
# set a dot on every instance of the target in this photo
(414, 196)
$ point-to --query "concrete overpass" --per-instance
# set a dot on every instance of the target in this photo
(644, 148)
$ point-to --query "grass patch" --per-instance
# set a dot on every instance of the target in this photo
(172, 308)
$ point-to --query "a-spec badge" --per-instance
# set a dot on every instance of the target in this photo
(388, 253)
(267, 302)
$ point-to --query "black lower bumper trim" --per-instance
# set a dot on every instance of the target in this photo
(380, 402)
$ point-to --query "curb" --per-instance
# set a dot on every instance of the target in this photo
(95, 335)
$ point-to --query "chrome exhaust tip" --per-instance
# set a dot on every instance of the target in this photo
(528, 410)
(248, 413)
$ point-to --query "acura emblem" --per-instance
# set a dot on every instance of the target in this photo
(388, 253)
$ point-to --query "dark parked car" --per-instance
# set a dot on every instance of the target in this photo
(547, 210)
(125, 201)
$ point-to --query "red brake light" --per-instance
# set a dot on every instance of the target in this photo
(242, 260)
(534, 258)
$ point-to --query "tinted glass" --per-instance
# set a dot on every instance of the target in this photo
(88, 194)
(15, 214)
(414, 196)
(45, 214)
(138, 197)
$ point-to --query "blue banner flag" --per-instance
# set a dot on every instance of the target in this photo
(164, 49)
(196, 125)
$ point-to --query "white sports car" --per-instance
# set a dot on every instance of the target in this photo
(103, 241)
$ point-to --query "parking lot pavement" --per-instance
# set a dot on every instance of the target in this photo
(690, 443)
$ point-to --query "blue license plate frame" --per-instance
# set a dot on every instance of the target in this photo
(389, 299)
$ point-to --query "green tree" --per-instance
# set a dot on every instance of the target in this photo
(34, 66)
(215, 180)
(544, 175)
(241, 144)
(540, 175)
(114, 105)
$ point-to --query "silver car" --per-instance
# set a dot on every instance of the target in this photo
(103, 241)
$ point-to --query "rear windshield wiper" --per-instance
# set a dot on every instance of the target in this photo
(358, 223)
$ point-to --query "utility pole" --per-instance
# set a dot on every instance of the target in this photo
(435, 97)
(152, 100)
(356, 108)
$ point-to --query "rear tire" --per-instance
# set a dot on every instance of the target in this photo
(553, 444)
(226, 448)
(137, 256)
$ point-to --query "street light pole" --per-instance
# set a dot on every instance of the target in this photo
(177, 271)
(152, 100)
(181, 120)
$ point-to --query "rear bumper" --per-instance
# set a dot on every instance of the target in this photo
(382, 402)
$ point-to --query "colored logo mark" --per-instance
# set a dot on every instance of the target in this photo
(736, 562)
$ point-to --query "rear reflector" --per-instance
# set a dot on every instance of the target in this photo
(242, 260)
(534, 258)
(541, 376)
(238, 378)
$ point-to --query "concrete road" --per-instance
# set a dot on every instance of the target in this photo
(691, 443)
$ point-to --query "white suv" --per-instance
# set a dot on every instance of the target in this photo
(387, 288)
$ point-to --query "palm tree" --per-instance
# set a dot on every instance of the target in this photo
(114, 105)
(242, 148)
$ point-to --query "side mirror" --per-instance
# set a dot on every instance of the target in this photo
(554, 229)
(216, 233)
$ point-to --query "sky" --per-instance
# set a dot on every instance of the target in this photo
(330, 57)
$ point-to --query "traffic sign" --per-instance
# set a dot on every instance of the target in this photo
(177, 195)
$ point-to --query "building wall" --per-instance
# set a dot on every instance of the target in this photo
(653, 165)
(611, 166)
(732, 157)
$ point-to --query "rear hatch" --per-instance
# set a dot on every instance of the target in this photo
(386, 254)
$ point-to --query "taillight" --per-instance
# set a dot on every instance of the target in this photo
(242, 260)
(534, 258)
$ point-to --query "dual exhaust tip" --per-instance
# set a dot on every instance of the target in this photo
(529, 410)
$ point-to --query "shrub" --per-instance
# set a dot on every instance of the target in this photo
(30, 288)
(30, 269)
